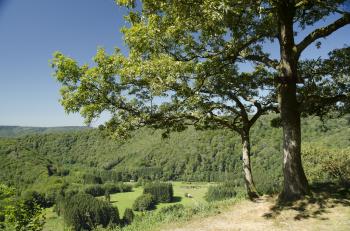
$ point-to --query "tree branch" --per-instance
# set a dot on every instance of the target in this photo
(316, 99)
(322, 32)
(264, 60)
(260, 111)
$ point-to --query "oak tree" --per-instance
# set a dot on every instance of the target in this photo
(183, 68)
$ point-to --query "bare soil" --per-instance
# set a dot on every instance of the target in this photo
(312, 214)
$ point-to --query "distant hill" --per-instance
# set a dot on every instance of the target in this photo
(45, 157)
(16, 131)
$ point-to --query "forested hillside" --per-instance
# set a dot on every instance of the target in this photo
(14, 131)
(34, 161)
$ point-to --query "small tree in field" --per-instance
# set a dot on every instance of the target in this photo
(182, 69)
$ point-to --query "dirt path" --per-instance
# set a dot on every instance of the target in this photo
(329, 214)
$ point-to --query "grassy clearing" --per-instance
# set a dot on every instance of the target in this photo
(126, 200)
(197, 190)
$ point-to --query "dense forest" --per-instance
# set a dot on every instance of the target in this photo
(44, 162)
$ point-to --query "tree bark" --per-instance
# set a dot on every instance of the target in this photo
(247, 170)
(295, 182)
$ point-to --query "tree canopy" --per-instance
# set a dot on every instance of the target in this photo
(183, 68)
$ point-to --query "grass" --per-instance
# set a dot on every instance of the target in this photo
(162, 220)
(197, 190)
(126, 200)
(327, 208)
(53, 222)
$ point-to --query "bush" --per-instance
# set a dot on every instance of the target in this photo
(172, 208)
(220, 192)
(50, 196)
(116, 188)
(95, 190)
(84, 212)
(35, 197)
(111, 188)
(162, 192)
(91, 179)
(144, 202)
(128, 216)
(19, 214)
(62, 172)
(326, 165)
(24, 216)
(125, 187)
(100, 190)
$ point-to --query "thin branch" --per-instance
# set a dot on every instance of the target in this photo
(261, 111)
(243, 111)
(325, 100)
(272, 63)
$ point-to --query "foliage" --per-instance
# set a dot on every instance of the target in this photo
(17, 214)
(161, 192)
(91, 179)
(211, 155)
(116, 188)
(23, 216)
(144, 202)
(327, 165)
(220, 192)
(38, 198)
(128, 216)
(176, 213)
(171, 208)
(95, 190)
(100, 190)
(84, 212)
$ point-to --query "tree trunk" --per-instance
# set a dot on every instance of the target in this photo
(247, 171)
(295, 182)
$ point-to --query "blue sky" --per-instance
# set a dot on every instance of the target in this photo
(30, 31)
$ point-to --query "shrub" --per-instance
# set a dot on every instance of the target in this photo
(84, 212)
(125, 187)
(62, 172)
(91, 179)
(172, 208)
(24, 216)
(35, 197)
(19, 214)
(95, 190)
(162, 192)
(220, 192)
(144, 202)
(128, 216)
(116, 188)
(100, 190)
(111, 188)
(326, 165)
(50, 196)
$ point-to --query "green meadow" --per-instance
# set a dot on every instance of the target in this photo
(126, 199)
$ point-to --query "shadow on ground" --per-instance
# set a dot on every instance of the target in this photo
(176, 199)
(324, 196)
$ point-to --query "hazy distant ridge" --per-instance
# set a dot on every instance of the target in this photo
(15, 131)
